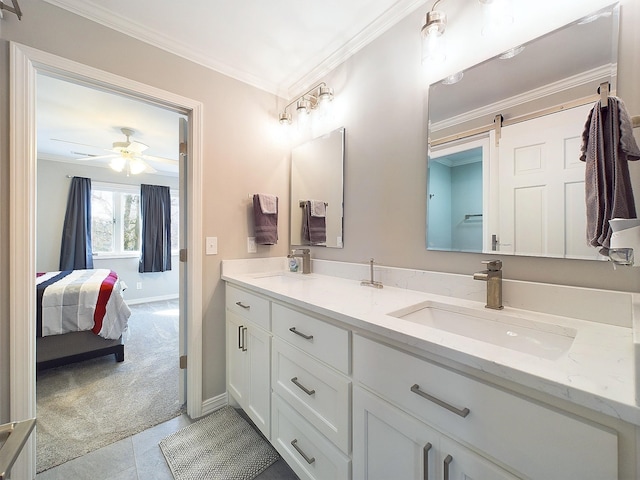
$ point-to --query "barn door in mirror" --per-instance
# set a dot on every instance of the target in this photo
(531, 102)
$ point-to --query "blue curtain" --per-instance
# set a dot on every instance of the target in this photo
(75, 250)
(155, 204)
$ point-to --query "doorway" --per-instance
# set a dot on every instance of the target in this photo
(26, 64)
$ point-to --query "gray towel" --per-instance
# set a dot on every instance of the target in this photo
(607, 146)
(265, 224)
(314, 229)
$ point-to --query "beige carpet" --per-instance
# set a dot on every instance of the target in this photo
(88, 405)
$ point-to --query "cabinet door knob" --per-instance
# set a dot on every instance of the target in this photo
(306, 337)
(294, 444)
(448, 459)
(425, 460)
(302, 387)
(246, 307)
(463, 413)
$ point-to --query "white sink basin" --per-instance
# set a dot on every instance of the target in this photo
(516, 332)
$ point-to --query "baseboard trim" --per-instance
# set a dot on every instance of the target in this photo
(210, 405)
(135, 301)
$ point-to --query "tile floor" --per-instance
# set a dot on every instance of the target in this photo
(139, 458)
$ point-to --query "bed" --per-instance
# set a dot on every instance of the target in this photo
(80, 314)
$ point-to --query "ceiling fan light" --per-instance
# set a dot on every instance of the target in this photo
(117, 164)
(136, 166)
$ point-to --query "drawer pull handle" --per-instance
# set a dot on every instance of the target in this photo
(240, 346)
(302, 387)
(242, 305)
(463, 413)
(306, 337)
(425, 460)
(244, 339)
(294, 444)
(448, 459)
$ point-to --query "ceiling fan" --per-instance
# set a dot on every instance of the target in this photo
(126, 156)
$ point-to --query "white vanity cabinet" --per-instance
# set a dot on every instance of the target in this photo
(388, 443)
(497, 427)
(248, 344)
(311, 401)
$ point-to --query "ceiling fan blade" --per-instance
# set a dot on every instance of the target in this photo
(81, 144)
(153, 158)
(137, 147)
(96, 157)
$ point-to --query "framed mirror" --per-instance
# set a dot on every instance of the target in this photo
(317, 185)
(495, 149)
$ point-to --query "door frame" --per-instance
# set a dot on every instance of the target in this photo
(26, 62)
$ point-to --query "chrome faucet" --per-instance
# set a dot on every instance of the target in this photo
(493, 276)
(305, 256)
(371, 282)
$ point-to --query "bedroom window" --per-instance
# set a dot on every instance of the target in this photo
(115, 220)
(116, 223)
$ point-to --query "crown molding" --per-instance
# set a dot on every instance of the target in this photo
(306, 76)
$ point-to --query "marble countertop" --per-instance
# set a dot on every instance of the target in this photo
(597, 371)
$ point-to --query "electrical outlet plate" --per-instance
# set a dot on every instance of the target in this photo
(251, 245)
(211, 245)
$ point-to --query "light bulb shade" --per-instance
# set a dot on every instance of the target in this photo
(325, 94)
(136, 166)
(302, 106)
(433, 42)
(284, 118)
(117, 164)
(433, 48)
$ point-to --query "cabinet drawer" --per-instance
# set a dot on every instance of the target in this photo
(315, 337)
(308, 453)
(317, 392)
(538, 441)
(249, 306)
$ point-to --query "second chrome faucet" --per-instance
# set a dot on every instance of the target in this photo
(493, 276)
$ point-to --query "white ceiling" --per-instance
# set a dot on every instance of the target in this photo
(280, 46)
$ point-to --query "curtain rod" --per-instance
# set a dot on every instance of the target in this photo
(123, 184)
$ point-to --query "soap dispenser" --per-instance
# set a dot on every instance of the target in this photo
(293, 262)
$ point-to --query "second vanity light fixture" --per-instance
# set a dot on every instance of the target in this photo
(309, 100)
(497, 14)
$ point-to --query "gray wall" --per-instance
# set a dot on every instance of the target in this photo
(380, 100)
(53, 188)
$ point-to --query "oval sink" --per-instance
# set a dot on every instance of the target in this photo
(500, 328)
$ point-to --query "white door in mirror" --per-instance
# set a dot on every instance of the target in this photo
(541, 182)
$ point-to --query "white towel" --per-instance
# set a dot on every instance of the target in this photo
(318, 208)
(268, 203)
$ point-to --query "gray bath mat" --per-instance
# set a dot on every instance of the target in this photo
(220, 446)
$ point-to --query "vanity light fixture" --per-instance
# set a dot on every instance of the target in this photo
(309, 100)
(433, 43)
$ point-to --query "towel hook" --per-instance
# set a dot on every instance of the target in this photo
(603, 90)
